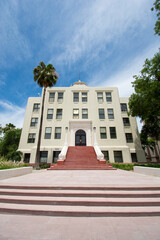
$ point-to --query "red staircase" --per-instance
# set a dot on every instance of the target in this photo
(81, 158)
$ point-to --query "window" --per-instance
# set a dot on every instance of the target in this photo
(76, 113)
(103, 133)
(43, 156)
(48, 131)
(101, 113)
(123, 107)
(118, 156)
(34, 122)
(51, 96)
(129, 138)
(76, 97)
(84, 97)
(110, 113)
(84, 113)
(100, 96)
(57, 133)
(50, 114)
(126, 122)
(113, 134)
(134, 157)
(27, 157)
(106, 155)
(31, 137)
(60, 97)
(108, 97)
(36, 107)
(55, 156)
(59, 114)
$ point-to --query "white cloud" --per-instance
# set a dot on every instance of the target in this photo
(11, 114)
(14, 46)
(123, 78)
(100, 23)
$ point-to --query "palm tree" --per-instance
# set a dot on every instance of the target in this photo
(45, 76)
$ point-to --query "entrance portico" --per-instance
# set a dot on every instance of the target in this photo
(83, 138)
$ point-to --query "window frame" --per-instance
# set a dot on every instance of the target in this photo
(113, 134)
(34, 123)
(60, 98)
(52, 99)
(85, 115)
(100, 97)
(108, 98)
(116, 158)
(110, 114)
(31, 138)
(59, 113)
(101, 115)
(48, 133)
(103, 134)
(75, 115)
(129, 137)
(75, 98)
(84, 97)
(49, 115)
(36, 109)
(57, 135)
(126, 123)
(124, 107)
(43, 157)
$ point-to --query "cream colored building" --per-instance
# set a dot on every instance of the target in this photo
(81, 116)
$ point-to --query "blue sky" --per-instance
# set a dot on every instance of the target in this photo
(106, 41)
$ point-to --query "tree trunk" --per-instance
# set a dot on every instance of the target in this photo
(40, 132)
(149, 159)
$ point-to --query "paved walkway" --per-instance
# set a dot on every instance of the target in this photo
(83, 178)
(21, 227)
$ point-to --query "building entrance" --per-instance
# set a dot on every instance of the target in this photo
(80, 138)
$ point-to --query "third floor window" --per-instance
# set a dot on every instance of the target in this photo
(100, 97)
(51, 96)
(60, 97)
(84, 97)
(76, 97)
(110, 113)
(36, 107)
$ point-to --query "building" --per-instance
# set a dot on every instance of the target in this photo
(81, 116)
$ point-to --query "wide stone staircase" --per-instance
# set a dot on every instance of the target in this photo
(80, 201)
(81, 158)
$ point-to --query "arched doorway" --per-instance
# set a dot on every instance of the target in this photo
(80, 138)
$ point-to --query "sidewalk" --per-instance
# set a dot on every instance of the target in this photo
(24, 227)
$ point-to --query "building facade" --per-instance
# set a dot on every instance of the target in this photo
(81, 116)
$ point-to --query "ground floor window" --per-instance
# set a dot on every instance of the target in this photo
(27, 157)
(118, 156)
(134, 157)
(43, 156)
(106, 155)
(55, 156)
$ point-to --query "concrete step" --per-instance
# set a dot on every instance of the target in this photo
(77, 211)
(82, 193)
(97, 188)
(76, 201)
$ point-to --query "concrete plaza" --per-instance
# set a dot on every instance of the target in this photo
(76, 228)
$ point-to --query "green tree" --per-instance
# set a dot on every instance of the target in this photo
(145, 102)
(8, 127)
(9, 145)
(45, 76)
(157, 9)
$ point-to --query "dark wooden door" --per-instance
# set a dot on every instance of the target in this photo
(80, 138)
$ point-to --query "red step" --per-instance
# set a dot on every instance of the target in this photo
(81, 158)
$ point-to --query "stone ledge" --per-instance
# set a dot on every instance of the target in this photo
(14, 172)
(147, 171)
